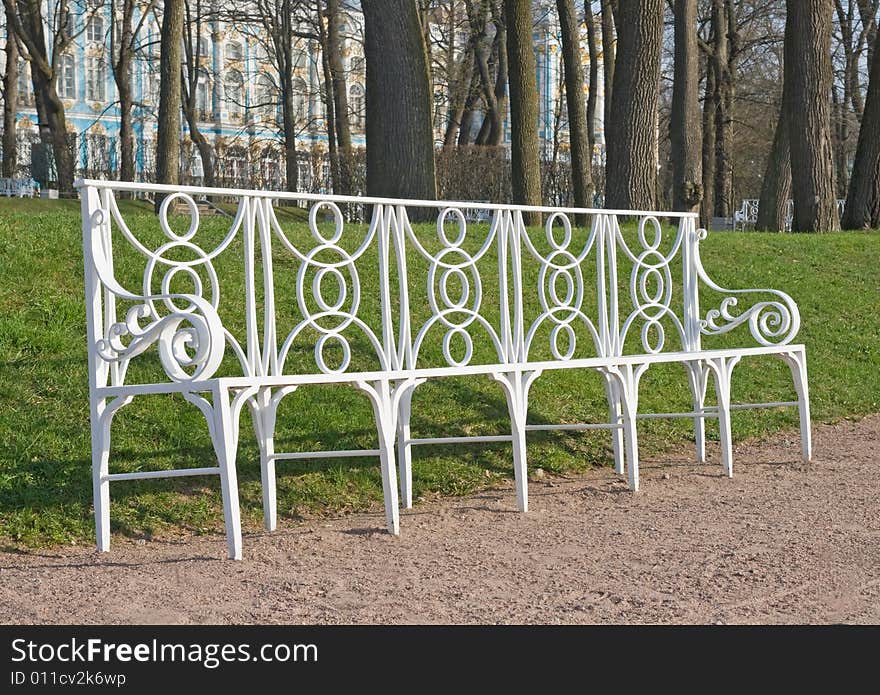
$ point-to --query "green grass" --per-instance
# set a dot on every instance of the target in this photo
(45, 474)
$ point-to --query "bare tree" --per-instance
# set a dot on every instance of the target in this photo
(609, 50)
(592, 96)
(687, 184)
(196, 17)
(170, 65)
(581, 154)
(630, 179)
(400, 141)
(10, 102)
(124, 41)
(525, 161)
(495, 97)
(862, 209)
(808, 86)
(29, 24)
(776, 185)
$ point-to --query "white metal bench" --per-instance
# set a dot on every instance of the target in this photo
(600, 297)
(747, 215)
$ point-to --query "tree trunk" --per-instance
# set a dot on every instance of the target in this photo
(687, 184)
(469, 110)
(707, 209)
(28, 23)
(340, 88)
(863, 198)
(482, 51)
(459, 88)
(581, 160)
(10, 104)
(340, 184)
(868, 15)
(592, 96)
(288, 119)
(400, 140)
(776, 186)
(631, 176)
(524, 158)
(609, 49)
(722, 65)
(168, 137)
(808, 70)
(496, 136)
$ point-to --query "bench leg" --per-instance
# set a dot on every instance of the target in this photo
(615, 410)
(265, 412)
(722, 368)
(385, 412)
(101, 416)
(404, 448)
(225, 440)
(626, 382)
(797, 362)
(516, 389)
(698, 380)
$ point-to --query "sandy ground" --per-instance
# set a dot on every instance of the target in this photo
(781, 542)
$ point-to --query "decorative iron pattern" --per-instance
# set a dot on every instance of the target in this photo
(191, 339)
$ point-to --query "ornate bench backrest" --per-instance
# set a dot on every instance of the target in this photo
(263, 294)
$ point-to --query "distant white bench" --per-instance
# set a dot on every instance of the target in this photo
(17, 188)
(600, 299)
(747, 215)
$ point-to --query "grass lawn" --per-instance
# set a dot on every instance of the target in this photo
(45, 470)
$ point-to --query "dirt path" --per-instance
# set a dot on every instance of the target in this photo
(779, 543)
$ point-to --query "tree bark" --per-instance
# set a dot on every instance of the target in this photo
(459, 89)
(631, 176)
(400, 141)
(722, 64)
(862, 209)
(581, 157)
(339, 181)
(609, 49)
(340, 88)
(776, 185)
(707, 209)
(28, 23)
(10, 103)
(687, 184)
(593, 95)
(192, 32)
(808, 74)
(525, 161)
(168, 137)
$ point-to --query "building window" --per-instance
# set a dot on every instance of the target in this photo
(234, 94)
(300, 60)
(303, 176)
(67, 77)
(270, 169)
(233, 50)
(204, 47)
(97, 155)
(300, 101)
(25, 88)
(153, 87)
(204, 111)
(236, 165)
(356, 105)
(96, 80)
(267, 98)
(68, 27)
(95, 29)
(357, 66)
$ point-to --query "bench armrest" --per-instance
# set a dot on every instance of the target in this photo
(772, 322)
(191, 337)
